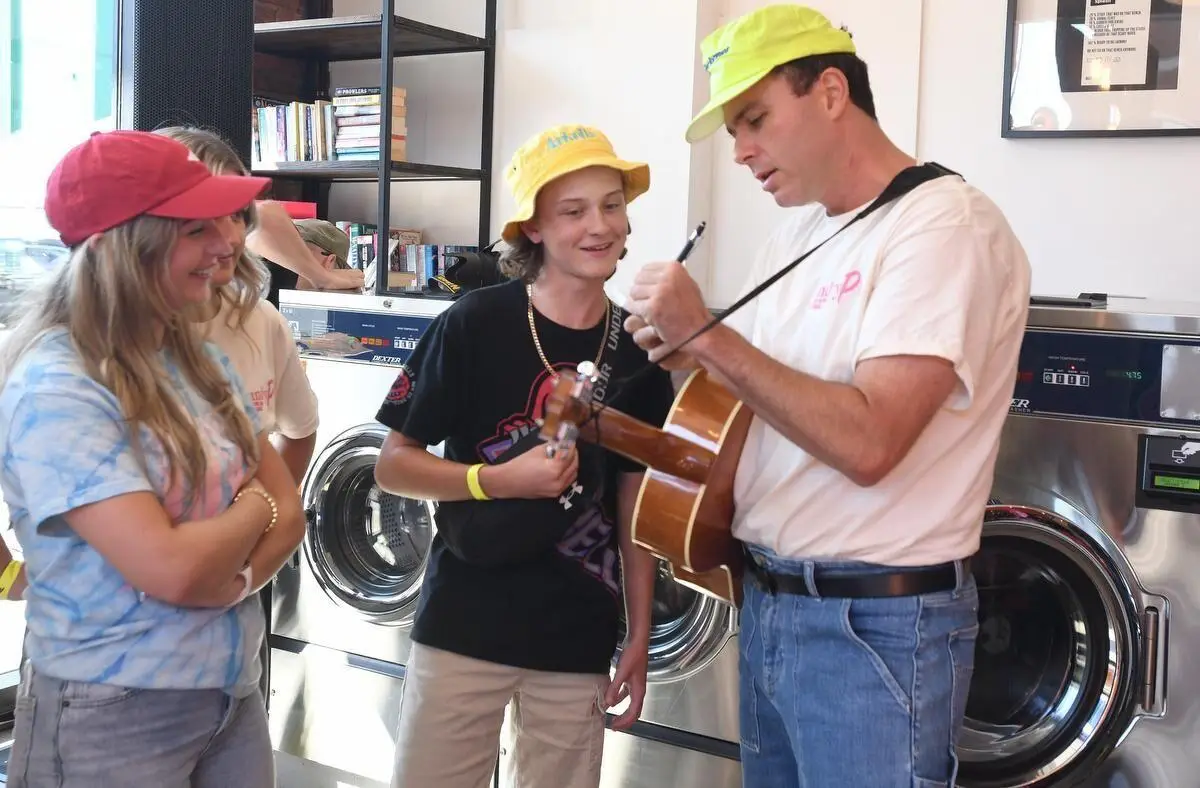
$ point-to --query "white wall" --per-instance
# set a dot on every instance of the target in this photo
(1120, 217)
(1123, 211)
(560, 63)
(556, 63)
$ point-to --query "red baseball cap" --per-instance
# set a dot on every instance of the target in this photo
(115, 176)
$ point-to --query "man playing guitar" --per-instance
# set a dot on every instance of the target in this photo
(879, 372)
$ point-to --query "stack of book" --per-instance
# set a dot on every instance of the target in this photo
(357, 119)
(292, 131)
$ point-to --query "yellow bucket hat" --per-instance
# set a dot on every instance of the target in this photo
(739, 54)
(556, 152)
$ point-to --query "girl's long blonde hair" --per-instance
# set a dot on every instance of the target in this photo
(250, 275)
(109, 297)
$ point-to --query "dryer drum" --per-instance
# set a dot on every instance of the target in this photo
(1057, 660)
(367, 548)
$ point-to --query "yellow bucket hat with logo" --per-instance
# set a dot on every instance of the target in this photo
(739, 54)
(556, 152)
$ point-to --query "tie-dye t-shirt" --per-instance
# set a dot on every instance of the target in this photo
(65, 445)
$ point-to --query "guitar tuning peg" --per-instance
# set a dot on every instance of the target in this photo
(586, 370)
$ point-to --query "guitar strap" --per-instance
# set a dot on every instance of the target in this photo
(904, 182)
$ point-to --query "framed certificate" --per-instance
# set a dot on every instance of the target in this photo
(1102, 68)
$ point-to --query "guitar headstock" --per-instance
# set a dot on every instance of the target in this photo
(567, 407)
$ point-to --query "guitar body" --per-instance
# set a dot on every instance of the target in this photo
(688, 521)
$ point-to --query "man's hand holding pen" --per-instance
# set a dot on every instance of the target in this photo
(666, 307)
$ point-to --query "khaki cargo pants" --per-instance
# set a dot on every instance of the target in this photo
(453, 712)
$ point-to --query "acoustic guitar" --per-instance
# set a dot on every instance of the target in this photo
(684, 510)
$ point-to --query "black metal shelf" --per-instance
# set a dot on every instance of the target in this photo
(322, 40)
(366, 170)
(359, 38)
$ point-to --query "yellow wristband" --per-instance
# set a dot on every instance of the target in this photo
(8, 577)
(473, 483)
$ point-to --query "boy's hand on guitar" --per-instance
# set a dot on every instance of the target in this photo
(646, 337)
(531, 475)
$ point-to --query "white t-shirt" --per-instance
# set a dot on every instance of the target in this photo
(938, 273)
(265, 356)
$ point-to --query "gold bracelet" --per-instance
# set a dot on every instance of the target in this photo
(8, 578)
(266, 497)
(473, 483)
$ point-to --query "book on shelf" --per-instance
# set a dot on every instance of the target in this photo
(347, 127)
(411, 266)
(358, 120)
(362, 237)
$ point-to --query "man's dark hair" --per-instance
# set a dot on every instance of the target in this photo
(803, 72)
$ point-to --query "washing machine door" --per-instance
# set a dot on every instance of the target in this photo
(1066, 656)
(687, 629)
(367, 548)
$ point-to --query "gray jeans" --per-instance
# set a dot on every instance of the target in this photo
(72, 734)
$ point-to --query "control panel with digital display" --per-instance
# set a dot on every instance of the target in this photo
(1110, 376)
(1170, 473)
(381, 338)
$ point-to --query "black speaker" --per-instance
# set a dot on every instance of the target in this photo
(188, 63)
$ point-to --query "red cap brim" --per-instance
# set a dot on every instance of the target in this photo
(213, 197)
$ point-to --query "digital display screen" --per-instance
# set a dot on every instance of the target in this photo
(1177, 482)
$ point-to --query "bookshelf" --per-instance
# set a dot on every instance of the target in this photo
(384, 36)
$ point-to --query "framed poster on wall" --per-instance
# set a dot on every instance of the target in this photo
(1102, 68)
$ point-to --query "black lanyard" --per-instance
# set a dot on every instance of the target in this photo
(904, 182)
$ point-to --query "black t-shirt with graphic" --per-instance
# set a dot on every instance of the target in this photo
(476, 382)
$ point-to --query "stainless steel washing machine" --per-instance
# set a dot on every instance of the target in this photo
(343, 607)
(1089, 590)
(688, 730)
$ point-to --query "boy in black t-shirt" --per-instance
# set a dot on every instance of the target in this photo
(533, 555)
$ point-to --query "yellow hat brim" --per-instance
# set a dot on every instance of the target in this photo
(710, 119)
(635, 175)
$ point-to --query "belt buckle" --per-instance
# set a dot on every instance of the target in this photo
(762, 575)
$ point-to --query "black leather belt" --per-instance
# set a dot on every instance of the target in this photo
(854, 585)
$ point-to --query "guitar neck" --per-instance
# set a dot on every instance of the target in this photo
(647, 445)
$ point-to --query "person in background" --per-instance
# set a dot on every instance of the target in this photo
(257, 339)
(147, 502)
(251, 331)
(879, 373)
(12, 575)
(275, 239)
(329, 246)
(533, 555)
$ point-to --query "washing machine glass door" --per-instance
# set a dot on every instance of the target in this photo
(687, 629)
(1059, 657)
(367, 548)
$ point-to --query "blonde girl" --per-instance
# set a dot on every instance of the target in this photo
(145, 498)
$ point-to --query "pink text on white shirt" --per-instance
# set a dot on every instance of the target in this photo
(834, 292)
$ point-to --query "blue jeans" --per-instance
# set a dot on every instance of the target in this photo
(74, 734)
(853, 692)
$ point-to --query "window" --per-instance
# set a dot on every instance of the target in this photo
(58, 78)
(58, 69)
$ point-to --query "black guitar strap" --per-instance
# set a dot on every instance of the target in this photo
(904, 182)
